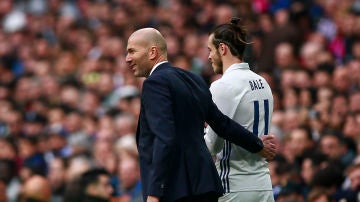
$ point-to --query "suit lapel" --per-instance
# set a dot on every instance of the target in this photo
(142, 113)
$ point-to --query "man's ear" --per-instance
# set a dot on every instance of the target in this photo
(222, 48)
(153, 52)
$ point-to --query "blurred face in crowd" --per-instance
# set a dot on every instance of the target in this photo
(302, 79)
(125, 125)
(55, 116)
(7, 151)
(223, 13)
(65, 63)
(275, 178)
(173, 45)
(26, 148)
(354, 68)
(352, 126)
(291, 119)
(340, 105)
(331, 146)
(138, 56)
(305, 98)
(129, 172)
(281, 17)
(69, 95)
(102, 188)
(309, 53)
(299, 141)
(73, 122)
(341, 79)
(4, 92)
(105, 84)
(318, 195)
(55, 142)
(37, 188)
(284, 55)
(290, 98)
(49, 86)
(214, 56)
(77, 166)
(355, 102)
(56, 173)
(307, 170)
(324, 94)
(321, 79)
(287, 78)
(191, 45)
(356, 50)
(354, 176)
(89, 103)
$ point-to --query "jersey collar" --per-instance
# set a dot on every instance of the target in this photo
(235, 66)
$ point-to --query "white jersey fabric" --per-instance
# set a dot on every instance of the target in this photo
(245, 97)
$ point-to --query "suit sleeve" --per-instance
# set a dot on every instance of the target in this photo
(159, 113)
(227, 100)
(228, 129)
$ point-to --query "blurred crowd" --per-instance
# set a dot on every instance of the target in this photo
(69, 104)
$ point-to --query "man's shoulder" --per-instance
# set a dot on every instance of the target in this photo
(242, 75)
(167, 70)
(230, 81)
(169, 73)
(161, 72)
(223, 87)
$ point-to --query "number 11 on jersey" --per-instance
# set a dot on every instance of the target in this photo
(257, 116)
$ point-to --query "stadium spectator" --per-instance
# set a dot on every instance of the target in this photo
(37, 189)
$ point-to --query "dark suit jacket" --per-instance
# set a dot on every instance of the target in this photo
(174, 159)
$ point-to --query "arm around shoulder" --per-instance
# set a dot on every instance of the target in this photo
(232, 131)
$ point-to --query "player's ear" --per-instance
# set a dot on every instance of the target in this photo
(222, 48)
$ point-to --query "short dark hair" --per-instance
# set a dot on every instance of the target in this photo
(328, 177)
(317, 158)
(92, 176)
(233, 34)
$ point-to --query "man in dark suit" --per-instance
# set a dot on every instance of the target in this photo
(175, 164)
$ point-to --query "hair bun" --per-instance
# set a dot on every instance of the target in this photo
(236, 21)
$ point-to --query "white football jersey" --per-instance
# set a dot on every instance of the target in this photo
(245, 97)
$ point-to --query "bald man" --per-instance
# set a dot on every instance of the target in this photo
(37, 189)
(175, 164)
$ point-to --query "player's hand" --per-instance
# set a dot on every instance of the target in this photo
(269, 150)
(153, 199)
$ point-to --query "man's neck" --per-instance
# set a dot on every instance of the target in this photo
(159, 59)
(230, 61)
(156, 61)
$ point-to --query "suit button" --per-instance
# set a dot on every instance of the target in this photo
(162, 186)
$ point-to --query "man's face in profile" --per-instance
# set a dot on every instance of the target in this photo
(137, 57)
(214, 56)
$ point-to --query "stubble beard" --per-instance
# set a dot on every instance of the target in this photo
(218, 64)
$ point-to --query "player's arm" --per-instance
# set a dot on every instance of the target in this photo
(226, 100)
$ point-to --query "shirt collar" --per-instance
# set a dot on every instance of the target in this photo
(234, 66)
(155, 66)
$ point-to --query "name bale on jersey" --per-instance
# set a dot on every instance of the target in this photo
(256, 84)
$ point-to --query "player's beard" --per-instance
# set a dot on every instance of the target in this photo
(217, 63)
